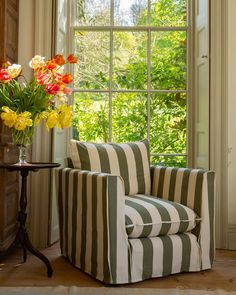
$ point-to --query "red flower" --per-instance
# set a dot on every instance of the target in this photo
(72, 59)
(4, 76)
(52, 88)
(51, 65)
(59, 59)
(67, 78)
(42, 78)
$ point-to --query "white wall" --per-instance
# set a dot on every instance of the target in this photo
(231, 93)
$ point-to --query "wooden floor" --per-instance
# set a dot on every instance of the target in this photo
(33, 273)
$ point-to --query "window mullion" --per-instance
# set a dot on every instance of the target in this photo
(148, 81)
(149, 13)
(129, 91)
(110, 85)
(111, 71)
(130, 28)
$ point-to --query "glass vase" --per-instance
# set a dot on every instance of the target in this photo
(22, 139)
(22, 154)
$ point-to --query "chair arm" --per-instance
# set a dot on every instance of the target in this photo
(183, 185)
(194, 188)
(92, 222)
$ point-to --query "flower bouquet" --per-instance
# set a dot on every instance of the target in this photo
(24, 104)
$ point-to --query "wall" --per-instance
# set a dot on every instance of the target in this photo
(231, 95)
(26, 35)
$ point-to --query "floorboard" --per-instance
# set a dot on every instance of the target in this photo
(33, 273)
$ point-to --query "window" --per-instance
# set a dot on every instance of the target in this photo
(132, 77)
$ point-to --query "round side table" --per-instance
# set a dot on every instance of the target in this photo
(22, 237)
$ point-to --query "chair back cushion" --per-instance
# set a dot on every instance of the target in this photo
(128, 160)
(148, 216)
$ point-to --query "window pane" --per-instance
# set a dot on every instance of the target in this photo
(168, 124)
(174, 160)
(130, 60)
(169, 12)
(91, 12)
(168, 60)
(90, 121)
(129, 117)
(130, 12)
(92, 71)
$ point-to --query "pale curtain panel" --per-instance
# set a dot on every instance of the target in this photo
(35, 29)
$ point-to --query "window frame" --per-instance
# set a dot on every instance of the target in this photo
(149, 29)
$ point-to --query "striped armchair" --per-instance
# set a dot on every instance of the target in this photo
(98, 223)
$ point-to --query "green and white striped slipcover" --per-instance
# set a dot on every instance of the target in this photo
(92, 225)
(128, 160)
(148, 216)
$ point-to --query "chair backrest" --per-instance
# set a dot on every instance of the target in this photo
(131, 161)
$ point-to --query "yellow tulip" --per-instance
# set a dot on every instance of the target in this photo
(64, 116)
(40, 117)
(23, 121)
(52, 119)
(8, 116)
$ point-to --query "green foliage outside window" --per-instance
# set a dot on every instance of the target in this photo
(138, 114)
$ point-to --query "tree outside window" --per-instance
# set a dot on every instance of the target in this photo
(131, 80)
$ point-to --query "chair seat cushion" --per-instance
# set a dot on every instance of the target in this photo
(148, 216)
(128, 160)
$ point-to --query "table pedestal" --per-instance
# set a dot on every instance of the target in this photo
(22, 237)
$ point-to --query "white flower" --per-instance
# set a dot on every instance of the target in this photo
(61, 97)
(37, 62)
(14, 70)
(59, 69)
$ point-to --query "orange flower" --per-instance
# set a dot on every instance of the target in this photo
(59, 59)
(72, 59)
(51, 65)
(67, 78)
